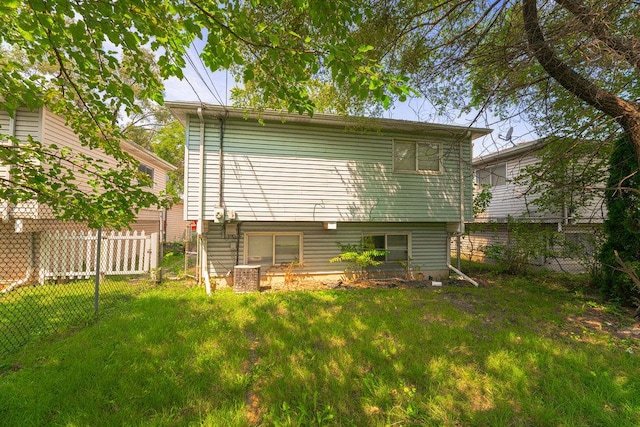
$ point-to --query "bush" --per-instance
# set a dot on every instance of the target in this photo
(359, 257)
(527, 244)
(622, 226)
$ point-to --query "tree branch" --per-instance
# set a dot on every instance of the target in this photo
(626, 113)
(629, 272)
(628, 47)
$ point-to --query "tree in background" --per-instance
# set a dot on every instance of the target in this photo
(89, 62)
(158, 131)
(168, 144)
(570, 68)
(622, 226)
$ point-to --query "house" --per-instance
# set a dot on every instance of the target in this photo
(22, 225)
(512, 200)
(275, 189)
(176, 227)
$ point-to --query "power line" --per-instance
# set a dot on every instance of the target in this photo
(219, 97)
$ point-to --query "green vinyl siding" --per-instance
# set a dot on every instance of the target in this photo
(428, 244)
(295, 172)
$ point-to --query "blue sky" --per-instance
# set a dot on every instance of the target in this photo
(201, 85)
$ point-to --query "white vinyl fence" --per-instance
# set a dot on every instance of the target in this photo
(72, 254)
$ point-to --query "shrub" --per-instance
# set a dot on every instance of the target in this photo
(622, 226)
(359, 257)
(527, 244)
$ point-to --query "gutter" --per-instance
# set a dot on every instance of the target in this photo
(461, 229)
(202, 240)
(181, 109)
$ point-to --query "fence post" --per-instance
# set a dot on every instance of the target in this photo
(96, 296)
(152, 250)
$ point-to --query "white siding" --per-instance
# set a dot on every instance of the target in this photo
(4, 130)
(514, 200)
(210, 170)
(27, 123)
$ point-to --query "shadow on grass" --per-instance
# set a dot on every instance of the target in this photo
(463, 356)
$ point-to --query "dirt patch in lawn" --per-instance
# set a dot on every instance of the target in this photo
(345, 285)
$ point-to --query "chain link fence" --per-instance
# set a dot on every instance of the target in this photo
(54, 274)
(191, 255)
(526, 243)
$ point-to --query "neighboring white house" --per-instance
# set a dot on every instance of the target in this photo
(21, 226)
(497, 172)
(273, 189)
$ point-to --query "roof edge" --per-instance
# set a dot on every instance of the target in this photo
(180, 109)
(522, 148)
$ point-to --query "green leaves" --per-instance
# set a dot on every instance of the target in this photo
(89, 62)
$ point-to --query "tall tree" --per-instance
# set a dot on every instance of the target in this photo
(168, 144)
(98, 69)
(569, 68)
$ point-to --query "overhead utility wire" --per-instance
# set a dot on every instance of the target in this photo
(219, 97)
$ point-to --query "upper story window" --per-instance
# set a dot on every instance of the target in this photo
(146, 170)
(414, 156)
(492, 175)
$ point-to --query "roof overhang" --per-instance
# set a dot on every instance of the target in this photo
(182, 109)
(142, 153)
(522, 149)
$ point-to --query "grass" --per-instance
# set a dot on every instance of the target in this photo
(518, 351)
(30, 312)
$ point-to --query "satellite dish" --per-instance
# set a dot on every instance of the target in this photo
(508, 136)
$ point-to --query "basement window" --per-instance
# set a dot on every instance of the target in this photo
(396, 245)
(273, 248)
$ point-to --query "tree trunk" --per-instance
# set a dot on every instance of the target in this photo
(626, 113)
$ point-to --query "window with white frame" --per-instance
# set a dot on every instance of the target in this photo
(414, 156)
(396, 246)
(273, 248)
(492, 175)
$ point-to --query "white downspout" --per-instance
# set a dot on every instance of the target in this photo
(202, 239)
(461, 228)
(461, 170)
(464, 276)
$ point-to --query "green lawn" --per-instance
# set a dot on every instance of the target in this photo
(526, 351)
